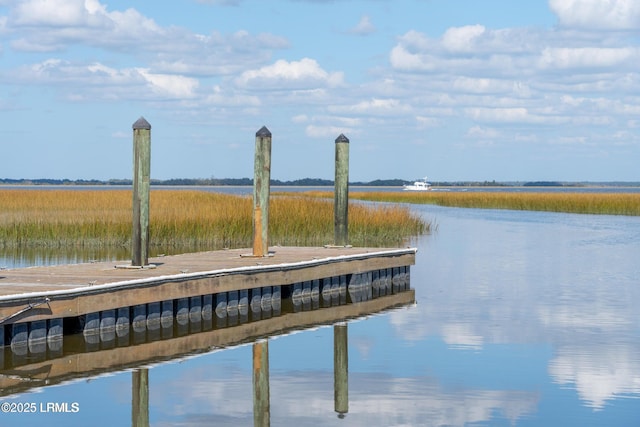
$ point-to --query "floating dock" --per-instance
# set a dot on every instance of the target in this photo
(107, 300)
(81, 359)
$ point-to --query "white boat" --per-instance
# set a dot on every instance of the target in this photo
(418, 186)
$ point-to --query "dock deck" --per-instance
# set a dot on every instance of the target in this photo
(34, 281)
(35, 300)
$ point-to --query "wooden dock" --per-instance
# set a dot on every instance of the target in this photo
(21, 374)
(43, 303)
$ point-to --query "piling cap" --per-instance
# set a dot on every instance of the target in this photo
(263, 132)
(141, 123)
(342, 138)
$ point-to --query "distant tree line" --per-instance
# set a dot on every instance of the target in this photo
(304, 182)
(546, 184)
(308, 182)
(471, 184)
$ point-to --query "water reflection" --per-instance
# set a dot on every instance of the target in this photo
(341, 369)
(91, 355)
(308, 398)
(564, 286)
(140, 398)
(39, 256)
(261, 403)
(522, 318)
(599, 376)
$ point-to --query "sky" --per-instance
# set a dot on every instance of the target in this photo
(455, 90)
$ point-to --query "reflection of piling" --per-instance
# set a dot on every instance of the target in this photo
(262, 176)
(141, 172)
(340, 369)
(261, 408)
(341, 191)
(140, 398)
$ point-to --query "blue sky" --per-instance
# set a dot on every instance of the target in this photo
(450, 89)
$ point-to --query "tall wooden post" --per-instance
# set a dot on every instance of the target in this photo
(341, 369)
(141, 182)
(261, 185)
(261, 405)
(140, 398)
(341, 192)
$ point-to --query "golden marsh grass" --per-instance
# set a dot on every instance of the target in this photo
(584, 203)
(182, 220)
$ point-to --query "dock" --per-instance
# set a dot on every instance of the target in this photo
(87, 360)
(107, 300)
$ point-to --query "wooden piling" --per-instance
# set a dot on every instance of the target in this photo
(341, 369)
(341, 191)
(140, 398)
(261, 406)
(141, 182)
(261, 189)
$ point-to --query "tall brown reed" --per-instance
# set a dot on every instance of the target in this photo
(574, 202)
(182, 220)
(368, 225)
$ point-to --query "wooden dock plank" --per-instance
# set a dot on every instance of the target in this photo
(79, 289)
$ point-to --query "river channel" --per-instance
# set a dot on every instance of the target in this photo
(521, 319)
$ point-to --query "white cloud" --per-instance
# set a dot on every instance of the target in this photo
(427, 122)
(374, 106)
(225, 98)
(403, 59)
(100, 81)
(55, 13)
(516, 76)
(315, 131)
(3, 24)
(214, 54)
(411, 53)
(62, 70)
(598, 14)
(221, 2)
(364, 27)
(328, 126)
(172, 86)
(55, 21)
(470, 49)
(54, 24)
(587, 57)
(517, 114)
(303, 74)
(486, 85)
(120, 135)
(462, 39)
(57, 25)
(25, 45)
(493, 78)
(482, 132)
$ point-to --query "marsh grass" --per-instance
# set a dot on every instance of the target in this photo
(369, 225)
(584, 203)
(183, 220)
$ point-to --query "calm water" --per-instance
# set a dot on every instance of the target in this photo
(522, 319)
